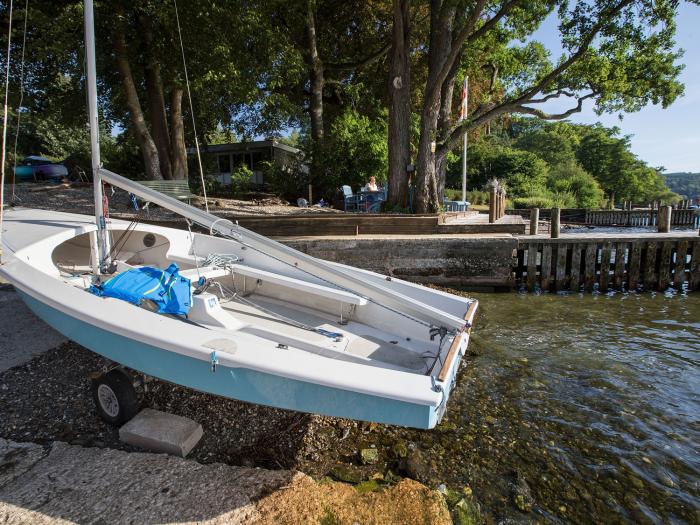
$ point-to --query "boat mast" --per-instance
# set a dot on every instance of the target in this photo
(102, 263)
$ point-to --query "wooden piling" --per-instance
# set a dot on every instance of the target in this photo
(546, 267)
(556, 215)
(574, 283)
(634, 264)
(605, 266)
(532, 266)
(590, 266)
(619, 269)
(492, 206)
(694, 273)
(679, 270)
(560, 274)
(664, 222)
(534, 221)
(650, 267)
(664, 264)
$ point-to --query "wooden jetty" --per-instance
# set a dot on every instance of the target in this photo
(444, 252)
(619, 262)
(644, 217)
(638, 217)
(335, 224)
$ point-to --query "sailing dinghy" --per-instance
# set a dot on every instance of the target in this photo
(265, 323)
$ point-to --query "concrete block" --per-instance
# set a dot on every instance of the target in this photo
(161, 432)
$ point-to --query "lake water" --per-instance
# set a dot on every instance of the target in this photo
(587, 406)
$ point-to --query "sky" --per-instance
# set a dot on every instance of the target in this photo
(662, 137)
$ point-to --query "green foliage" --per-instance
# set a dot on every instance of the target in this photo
(290, 183)
(570, 178)
(355, 151)
(548, 144)
(473, 196)
(685, 184)
(516, 168)
(241, 179)
(250, 74)
(562, 164)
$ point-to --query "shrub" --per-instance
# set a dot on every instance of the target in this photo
(241, 179)
(473, 196)
(289, 183)
(571, 178)
(533, 202)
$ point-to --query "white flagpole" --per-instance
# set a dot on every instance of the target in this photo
(102, 236)
(464, 154)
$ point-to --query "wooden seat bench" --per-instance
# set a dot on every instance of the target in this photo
(178, 189)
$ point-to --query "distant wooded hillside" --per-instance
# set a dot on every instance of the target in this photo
(684, 183)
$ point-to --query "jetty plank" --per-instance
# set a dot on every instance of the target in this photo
(634, 265)
(560, 270)
(694, 276)
(546, 269)
(650, 266)
(620, 258)
(605, 266)
(590, 264)
(665, 266)
(532, 250)
(574, 283)
(679, 271)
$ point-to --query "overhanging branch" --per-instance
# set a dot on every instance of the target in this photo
(469, 34)
(553, 116)
(527, 97)
(347, 66)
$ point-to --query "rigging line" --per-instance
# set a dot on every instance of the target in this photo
(21, 99)
(4, 131)
(189, 97)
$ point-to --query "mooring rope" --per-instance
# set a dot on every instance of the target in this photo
(189, 97)
(4, 131)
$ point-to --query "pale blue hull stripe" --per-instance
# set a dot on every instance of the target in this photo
(237, 383)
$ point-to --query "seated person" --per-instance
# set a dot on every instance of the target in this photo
(371, 185)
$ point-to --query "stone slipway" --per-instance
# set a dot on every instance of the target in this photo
(69, 484)
(23, 336)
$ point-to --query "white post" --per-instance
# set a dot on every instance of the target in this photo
(465, 102)
(102, 235)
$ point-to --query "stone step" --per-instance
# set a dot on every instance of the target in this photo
(161, 432)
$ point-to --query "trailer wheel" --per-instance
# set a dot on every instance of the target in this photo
(115, 397)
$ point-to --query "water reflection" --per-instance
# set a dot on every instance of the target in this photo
(592, 401)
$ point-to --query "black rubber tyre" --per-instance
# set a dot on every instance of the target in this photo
(115, 397)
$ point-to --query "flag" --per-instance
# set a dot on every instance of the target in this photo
(464, 98)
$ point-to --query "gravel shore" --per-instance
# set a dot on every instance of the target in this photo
(79, 199)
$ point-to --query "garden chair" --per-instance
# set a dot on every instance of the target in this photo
(352, 201)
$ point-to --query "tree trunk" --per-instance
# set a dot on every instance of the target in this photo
(441, 26)
(143, 137)
(177, 128)
(444, 124)
(426, 190)
(317, 81)
(156, 101)
(400, 106)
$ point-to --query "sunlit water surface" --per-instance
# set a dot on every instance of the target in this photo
(593, 401)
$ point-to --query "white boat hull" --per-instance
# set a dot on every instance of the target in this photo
(259, 363)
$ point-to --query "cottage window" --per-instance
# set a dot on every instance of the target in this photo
(224, 163)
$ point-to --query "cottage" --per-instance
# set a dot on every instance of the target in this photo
(222, 159)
